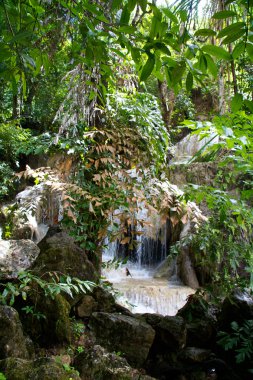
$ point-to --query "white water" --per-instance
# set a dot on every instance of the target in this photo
(190, 145)
(140, 292)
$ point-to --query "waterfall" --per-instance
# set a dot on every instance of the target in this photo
(134, 280)
(190, 145)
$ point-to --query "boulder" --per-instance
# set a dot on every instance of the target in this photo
(86, 307)
(16, 256)
(237, 307)
(13, 343)
(194, 354)
(39, 369)
(97, 363)
(54, 324)
(130, 336)
(170, 332)
(59, 253)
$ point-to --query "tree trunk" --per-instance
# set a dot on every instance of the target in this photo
(167, 98)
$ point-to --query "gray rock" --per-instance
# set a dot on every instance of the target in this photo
(130, 336)
(98, 364)
(16, 256)
(170, 331)
(12, 340)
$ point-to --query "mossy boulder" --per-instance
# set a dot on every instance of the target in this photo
(99, 364)
(39, 369)
(54, 326)
(59, 253)
(13, 342)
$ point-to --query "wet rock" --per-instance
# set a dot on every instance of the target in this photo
(39, 369)
(194, 354)
(97, 363)
(166, 268)
(237, 307)
(170, 332)
(107, 303)
(201, 333)
(16, 256)
(13, 343)
(186, 269)
(130, 336)
(86, 306)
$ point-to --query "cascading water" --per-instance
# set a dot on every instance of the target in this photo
(134, 280)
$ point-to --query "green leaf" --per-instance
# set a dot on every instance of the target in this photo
(224, 14)
(249, 105)
(238, 49)
(155, 27)
(236, 102)
(177, 73)
(131, 5)
(135, 53)
(183, 15)
(148, 68)
(211, 65)
(249, 49)
(233, 37)
(205, 32)
(233, 28)
(189, 81)
(143, 5)
(125, 16)
(170, 15)
(217, 52)
(116, 4)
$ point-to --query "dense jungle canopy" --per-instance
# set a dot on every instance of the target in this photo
(114, 85)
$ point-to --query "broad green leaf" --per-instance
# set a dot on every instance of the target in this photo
(217, 52)
(202, 63)
(249, 49)
(183, 15)
(135, 53)
(177, 73)
(116, 4)
(249, 105)
(211, 65)
(170, 15)
(125, 16)
(233, 28)
(236, 102)
(224, 14)
(205, 32)
(148, 68)
(22, 36)
(234, 36)
(126, 29)
(170, 62)
(143, 4)
(155, 27)
(189, 81)
(238, 49)
(161, 46)
(131, 5)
